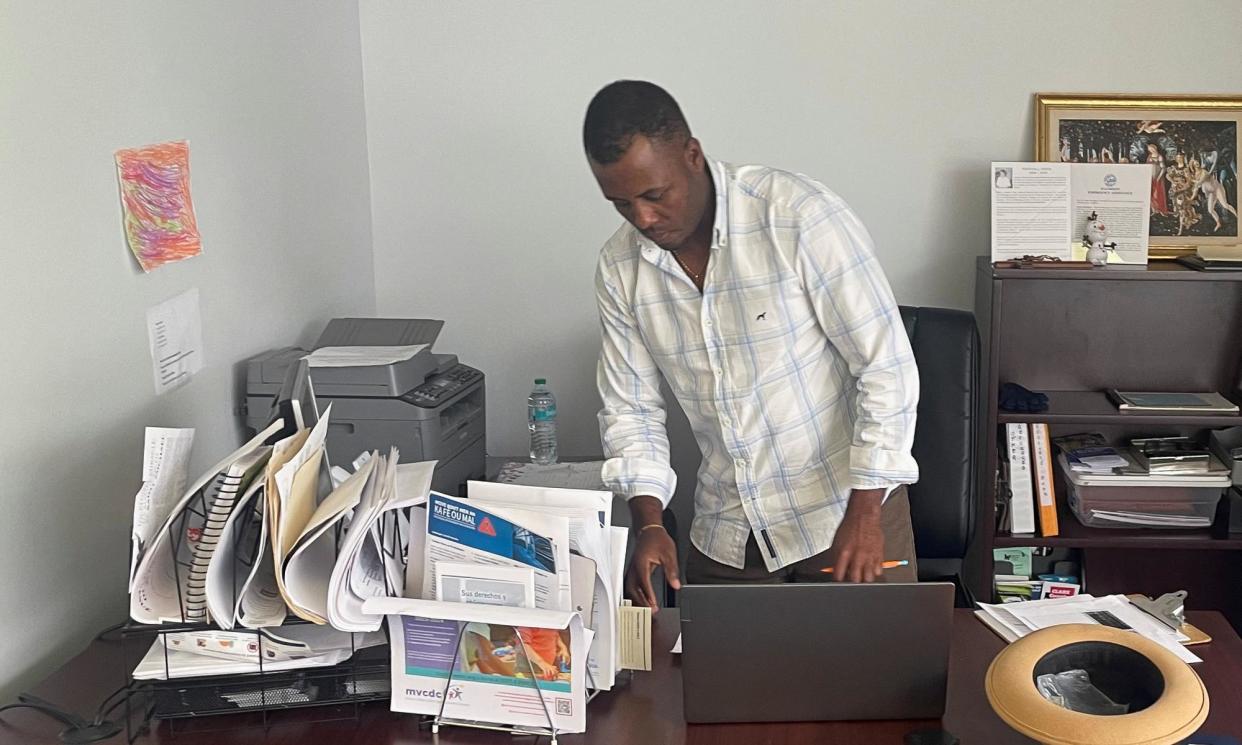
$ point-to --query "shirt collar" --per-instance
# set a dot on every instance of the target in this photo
(720, 179)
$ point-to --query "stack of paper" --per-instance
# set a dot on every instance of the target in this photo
(371, 555)
(197, 653)
(533, 549)
(474, 662)
(169, 574)
(267, 531)
(1013, 621)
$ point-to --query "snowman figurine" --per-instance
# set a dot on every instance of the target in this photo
(1095, 240)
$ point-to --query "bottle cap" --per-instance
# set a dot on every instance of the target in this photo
(541, 381)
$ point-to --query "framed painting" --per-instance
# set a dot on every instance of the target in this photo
(1190, 142)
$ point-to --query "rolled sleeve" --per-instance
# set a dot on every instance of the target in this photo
(856, 309)
(632, 420)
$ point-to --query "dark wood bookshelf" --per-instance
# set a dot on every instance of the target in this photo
(1095, 408)
(1073, 334)
(1073, 534)
(1156, 271)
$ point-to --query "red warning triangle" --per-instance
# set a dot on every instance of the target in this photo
(486, 528)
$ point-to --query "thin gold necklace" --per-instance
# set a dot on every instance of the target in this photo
(696, 277)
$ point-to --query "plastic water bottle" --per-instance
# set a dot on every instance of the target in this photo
(541, 417)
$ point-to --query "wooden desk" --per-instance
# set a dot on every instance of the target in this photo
(646, 711)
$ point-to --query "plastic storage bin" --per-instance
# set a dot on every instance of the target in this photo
(1154, 500)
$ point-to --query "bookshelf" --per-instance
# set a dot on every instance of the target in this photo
(1072, 334)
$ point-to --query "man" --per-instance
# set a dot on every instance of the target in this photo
(755, 294)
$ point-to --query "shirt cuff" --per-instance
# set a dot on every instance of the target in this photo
(876, 468)
(639, 477)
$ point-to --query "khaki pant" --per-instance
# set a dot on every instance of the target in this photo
(898, 544)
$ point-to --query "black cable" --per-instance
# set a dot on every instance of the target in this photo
(99, 712)
(114, 627)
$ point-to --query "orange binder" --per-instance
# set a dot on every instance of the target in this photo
(1045, 493)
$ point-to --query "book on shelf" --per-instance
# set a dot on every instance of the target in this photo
(1045, 493)
(1021, 479)
(1155, 401)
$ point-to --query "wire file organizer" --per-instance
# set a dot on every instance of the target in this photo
(167, 693)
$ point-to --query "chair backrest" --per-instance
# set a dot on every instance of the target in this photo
(944, 501)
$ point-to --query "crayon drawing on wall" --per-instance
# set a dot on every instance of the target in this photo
(155, 200)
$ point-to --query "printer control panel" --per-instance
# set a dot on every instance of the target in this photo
(442, 386)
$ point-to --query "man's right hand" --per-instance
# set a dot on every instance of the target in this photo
(653, 548)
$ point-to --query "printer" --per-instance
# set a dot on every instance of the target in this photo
(429, 406)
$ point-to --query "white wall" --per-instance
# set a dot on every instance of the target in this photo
(480, 188)
(270, 96)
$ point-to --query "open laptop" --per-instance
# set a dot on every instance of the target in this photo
(815, 652)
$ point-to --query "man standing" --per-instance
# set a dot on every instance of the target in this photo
(755, 294)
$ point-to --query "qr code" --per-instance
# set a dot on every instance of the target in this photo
(564, 707)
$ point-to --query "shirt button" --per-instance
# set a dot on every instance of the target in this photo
(719, 372)
(708, 322)
(740, 462)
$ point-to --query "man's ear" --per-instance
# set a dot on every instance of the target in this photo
(694, 154)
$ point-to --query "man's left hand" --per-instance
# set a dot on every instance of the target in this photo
(858, 547)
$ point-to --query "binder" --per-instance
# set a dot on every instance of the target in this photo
(1022, 503)
(1045, 493)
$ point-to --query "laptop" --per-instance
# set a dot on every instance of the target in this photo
(815, 652)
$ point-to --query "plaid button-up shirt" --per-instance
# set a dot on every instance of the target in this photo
(792, 366)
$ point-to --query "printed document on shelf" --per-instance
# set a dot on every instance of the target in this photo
(1120, 196)
(460, 532)
(1030, 210)
(156, 593)
(165, 467)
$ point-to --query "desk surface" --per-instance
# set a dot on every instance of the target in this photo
(646, 710)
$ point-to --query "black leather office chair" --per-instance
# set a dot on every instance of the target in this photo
(944, 501)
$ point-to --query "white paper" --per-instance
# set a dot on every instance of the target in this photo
(165, 467)
(460, 533)
(425, 637)
(1016, 620)
(155, 597)
(590, 534)
(1030, 210)
(181, 664)
(362, 356)
(1120, 194)
(558, 475)
(175, 336)
(366, 567)
(485, 585)
(676, 645)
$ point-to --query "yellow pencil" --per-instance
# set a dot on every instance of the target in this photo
(885, 565)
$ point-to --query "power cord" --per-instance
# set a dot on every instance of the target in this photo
(79, 731)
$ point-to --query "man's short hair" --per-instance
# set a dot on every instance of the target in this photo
(625, 109)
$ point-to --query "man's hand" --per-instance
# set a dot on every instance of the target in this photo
(654, 548)
(858, 547)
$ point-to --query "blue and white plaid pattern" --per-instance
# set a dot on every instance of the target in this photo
(793, 368)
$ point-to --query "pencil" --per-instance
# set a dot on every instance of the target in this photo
(885, 565)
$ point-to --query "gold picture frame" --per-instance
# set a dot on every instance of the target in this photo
(1194, 138)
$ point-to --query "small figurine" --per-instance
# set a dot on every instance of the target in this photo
(1095, 240)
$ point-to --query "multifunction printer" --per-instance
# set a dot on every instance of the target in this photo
(429, 406)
